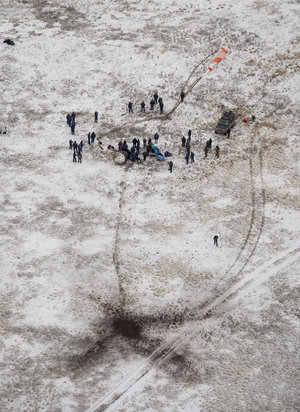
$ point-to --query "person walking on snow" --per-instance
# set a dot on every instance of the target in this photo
(192, 157)
(73, 127)
(161, 106)
(93, 137)
(96, 117)
(155, 97)
(170, 166)
(189, 133)
(70, 144)
(74, 156)
(216, 237)
(143, 106)
(130, 107)
(79, 157)
(187, 156)
(89, 138)
(152, 103)
(156, 137)
(183, 141)
(182, 96)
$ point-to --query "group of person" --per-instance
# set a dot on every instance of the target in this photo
(155, 100)
(71, 121)
(77, 150)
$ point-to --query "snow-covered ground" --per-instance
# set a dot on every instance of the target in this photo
(113, 295)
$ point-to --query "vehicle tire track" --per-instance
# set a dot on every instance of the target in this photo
(249, 245)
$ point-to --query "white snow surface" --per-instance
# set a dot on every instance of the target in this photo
(113, 296)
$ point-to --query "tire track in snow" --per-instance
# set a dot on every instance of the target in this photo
(169, 346)
(221, 303)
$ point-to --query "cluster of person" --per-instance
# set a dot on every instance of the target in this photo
(186, 143)
(91, 137)
(155, 100)
(71, 121)
(77, 150)
(208, 146)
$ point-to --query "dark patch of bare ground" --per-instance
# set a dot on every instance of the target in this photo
(128, 334)
(52, 13)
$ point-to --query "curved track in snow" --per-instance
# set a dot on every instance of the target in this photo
(233, 291)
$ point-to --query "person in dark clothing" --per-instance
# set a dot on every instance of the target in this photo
(143, 106)
(155, 97)
(144, 156)
(73, 115)
(206, 149)
(78, 148)
(81, 144)
(208, 143)
(79, 157)
(187, 156)
(189, 133)
(144, 142)
(183, 141)
(170, 166)
(156, 137)
(130, 107)
(149, 141)
(134, 141)
(96, 117)
(69, 118)
(217, 151)
(93, 137)
(216, 237)
(138, 143)
(74, 156)
(182, 96)
(160, 100)
(70, 144)
(132, 149)
(125, 145)
(152, 103)
(73, 127)
(120, 144)
(75, 146)
(228, 132)
(161, 106)
(89, 138)
(192, 157)
(188, 145)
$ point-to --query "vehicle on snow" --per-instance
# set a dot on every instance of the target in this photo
(226, 122)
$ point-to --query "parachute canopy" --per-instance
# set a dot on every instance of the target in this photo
(220, 56)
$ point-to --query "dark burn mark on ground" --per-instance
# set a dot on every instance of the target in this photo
(127, 327)
(123, 335)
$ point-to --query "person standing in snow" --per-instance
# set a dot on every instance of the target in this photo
(152, 103)
(70, 144)
(79, 157)
(73, 115)
(143, 106)
(130, 107)
(182, 96)
(73, 127)
(93, 136)
(155, 97)
(74, 156)
(189, 133)
(75, 146)
(228, 132)
(217, 151)
(183, 141)
(216, 237)
(69, 119)
(161, 107)
(188, 145)
(89, 138)
(170, 166)
(96, 117)
(156, 137)
(192, 157)
(187, 156)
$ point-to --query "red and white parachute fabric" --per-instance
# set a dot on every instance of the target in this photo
(220, 56)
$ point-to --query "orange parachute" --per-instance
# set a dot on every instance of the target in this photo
(220, 56)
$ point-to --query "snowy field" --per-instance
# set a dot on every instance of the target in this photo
(113, 296)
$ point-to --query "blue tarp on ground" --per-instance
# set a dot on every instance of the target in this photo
(159, 156)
